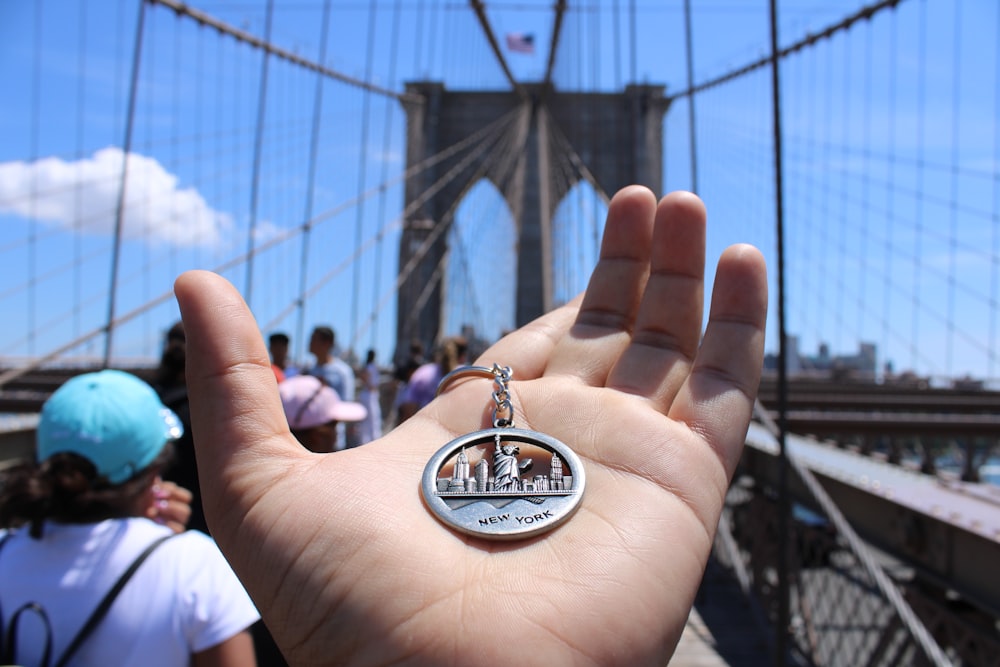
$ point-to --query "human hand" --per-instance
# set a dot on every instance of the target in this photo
(169, 504)
(347, 565)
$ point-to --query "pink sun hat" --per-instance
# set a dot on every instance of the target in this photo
(308, 403)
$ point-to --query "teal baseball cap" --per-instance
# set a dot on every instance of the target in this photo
(111, 418)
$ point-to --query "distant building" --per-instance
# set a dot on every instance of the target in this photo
(858, 366)
(967, 383)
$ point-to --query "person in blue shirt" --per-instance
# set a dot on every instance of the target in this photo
(336, 373)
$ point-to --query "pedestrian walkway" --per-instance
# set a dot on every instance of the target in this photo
(721, 630)
(697, 646)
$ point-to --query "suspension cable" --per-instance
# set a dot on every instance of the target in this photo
(439, 229)
(354, 201)
(386, 141)
(574, 158)
(431, 238)
(363, 158)
(245, 37)
(953, 203)
(495, 130)
(692, 132)
(311, 174)
(560, 9)
(484, 22)
(784, 502)
(994, 275)
(15, 373)
(258, 149)
(920, 177)
(120, 209)
(865, 13)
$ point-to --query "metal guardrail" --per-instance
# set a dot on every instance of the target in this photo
(17, 438)
(853, 603)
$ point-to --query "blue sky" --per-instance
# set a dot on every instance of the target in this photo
(890, 135)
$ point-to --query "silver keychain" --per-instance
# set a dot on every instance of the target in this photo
(502, 483)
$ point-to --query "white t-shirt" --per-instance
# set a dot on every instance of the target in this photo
(183, 599)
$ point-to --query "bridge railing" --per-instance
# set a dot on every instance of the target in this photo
(848, 603)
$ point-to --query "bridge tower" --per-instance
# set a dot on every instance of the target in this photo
(617, 136)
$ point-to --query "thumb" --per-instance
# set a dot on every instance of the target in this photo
(239, 427)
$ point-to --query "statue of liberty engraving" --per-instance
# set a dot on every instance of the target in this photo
(506, 469)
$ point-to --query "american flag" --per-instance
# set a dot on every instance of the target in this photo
(520, 43)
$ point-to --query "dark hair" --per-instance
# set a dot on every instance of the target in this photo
(452, 353)
(325, 333)
(67, 488)
(175, 334)
(174, 357)
(278, 337)
(371, 357)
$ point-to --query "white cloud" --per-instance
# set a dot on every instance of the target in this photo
(266, 230)
(83, 195)
(393, 157)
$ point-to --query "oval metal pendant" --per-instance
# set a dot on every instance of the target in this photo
(503, 483)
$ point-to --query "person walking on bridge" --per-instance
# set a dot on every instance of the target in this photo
(336, 372)
(79, 517)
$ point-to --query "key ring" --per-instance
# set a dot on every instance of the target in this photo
(501, 397)
(485, 492)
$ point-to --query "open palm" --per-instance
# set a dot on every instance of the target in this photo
(348, 566)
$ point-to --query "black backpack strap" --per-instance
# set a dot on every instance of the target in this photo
(10, 640)
(6, 633)
(105, 605)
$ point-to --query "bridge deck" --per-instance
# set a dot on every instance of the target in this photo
(970, 506)
(947, 529)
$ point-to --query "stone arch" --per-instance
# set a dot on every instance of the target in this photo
(577, 227)
(479, 290)
(617, 137)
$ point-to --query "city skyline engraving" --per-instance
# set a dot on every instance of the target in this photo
(502, 483)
